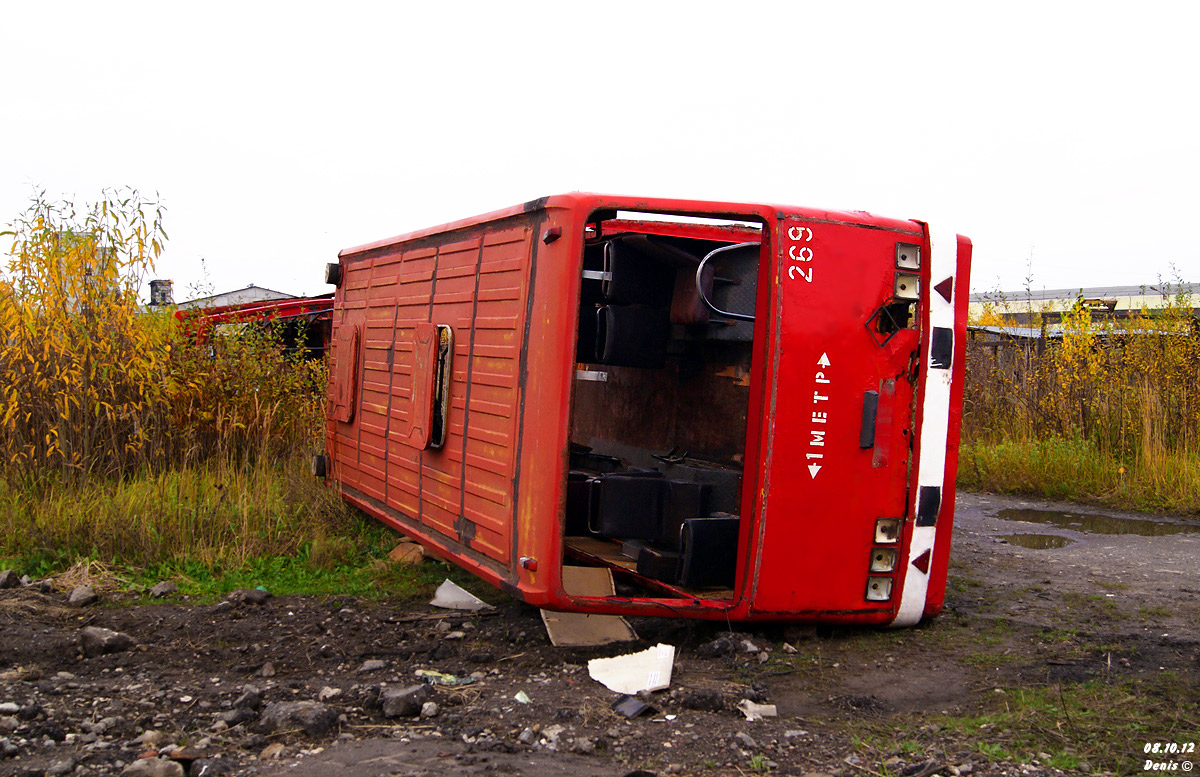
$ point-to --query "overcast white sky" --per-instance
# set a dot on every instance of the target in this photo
(277, 134)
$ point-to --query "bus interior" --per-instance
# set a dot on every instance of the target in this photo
(658, 424)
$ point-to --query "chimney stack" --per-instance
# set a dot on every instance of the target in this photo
(161, 293)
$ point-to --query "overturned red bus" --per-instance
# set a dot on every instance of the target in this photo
(746, 412)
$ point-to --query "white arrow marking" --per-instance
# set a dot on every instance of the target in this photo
(813, 469)
(824, 360)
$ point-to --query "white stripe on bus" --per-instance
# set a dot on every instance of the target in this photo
(935, 425)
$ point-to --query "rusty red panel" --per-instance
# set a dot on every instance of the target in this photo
(825, 492)
(461, 492)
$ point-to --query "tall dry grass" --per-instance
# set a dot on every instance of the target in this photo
(127, 433)
(1103, 409)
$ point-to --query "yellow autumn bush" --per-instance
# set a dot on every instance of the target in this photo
(1105, 409)
(94, 384)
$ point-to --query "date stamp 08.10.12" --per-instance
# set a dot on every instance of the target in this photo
(1169, 756)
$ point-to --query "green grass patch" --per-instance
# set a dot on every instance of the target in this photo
(213, 529)
(1077, 470)
(1101, 724)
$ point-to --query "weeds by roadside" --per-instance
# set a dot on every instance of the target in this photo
(1088, 410)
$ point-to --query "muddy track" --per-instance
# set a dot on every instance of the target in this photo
(314, 686)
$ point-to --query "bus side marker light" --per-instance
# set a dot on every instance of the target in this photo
(883, 559)
(879, 589)
(908, 256)
(887, 530)
(908, 286)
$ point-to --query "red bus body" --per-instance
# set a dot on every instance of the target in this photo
(822, 436)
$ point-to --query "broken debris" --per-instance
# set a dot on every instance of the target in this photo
(631, 707)
(580, 629)
(648, 670)
(454, 597)
(754, 711)
(442, 678)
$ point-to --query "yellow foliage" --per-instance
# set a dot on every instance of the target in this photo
(95, 384)
(1129, 387)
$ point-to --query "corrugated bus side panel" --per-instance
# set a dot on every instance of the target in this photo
(461, 494)
(441, 469)
(495, 367)
(408, 305)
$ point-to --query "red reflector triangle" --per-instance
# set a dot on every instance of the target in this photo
(921, 562)
(945, 288)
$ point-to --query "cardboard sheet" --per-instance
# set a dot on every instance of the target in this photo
(577, 629)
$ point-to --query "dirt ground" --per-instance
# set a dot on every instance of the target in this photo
(1105, 607)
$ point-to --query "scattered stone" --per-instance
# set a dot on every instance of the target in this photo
(7, 748)
(9, 708)
(327, 693)
(212, 767)
(9, 579)
(96, 641)
(236, 716)
(701, 699)
(61, 768)
(82, 596)
(527, 737)
(405, 702)
(455, 635)
(316, 719)
(248, 596)
(43, 586)
(583, 746)
(429, 709)
(442, 625)
(749, 647)
(153, 767)
(793, 733)
(893, 762)
(746, 740)
(268, 670)
(9, 724)
(721, 646)
(272, 752)
(968, 768)
(30, 712)
(372, 665)
(165, 588)
(551, 735)
(151, 738)
(251, 698)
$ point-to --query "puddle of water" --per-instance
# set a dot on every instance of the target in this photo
(1096, 524)
(1037, 541)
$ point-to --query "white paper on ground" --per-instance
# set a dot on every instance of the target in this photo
(452, 597)
(649, 670)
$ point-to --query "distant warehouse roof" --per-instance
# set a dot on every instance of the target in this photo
(1111, 298)
(250, 293)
